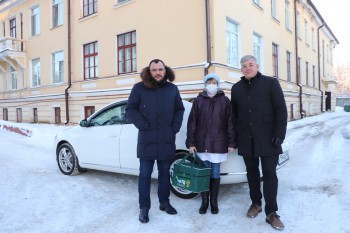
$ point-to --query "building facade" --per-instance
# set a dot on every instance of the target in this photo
(60, 60)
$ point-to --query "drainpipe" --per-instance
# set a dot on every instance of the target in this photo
(207, 21)
(319, 63)
(297, 61)
(66, 94)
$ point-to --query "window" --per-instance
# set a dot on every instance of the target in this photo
(313, 39)
(274, 9)
(257, 48)
(298, 24)
(89, 110)
(13, 28)
(57, 115)
(35, 115)
(5, 114)
(35, 17)
(232, 44)
(19, 114)
(327, 52)
(307, 73)
(57, 13)
(289, 74)
(89, 7)
(275, 60)
(314, 76)
(4, 28)
(323, 59)
(90, 61)
(299, 71)
(306, 32)
(57, 67)
(13, 78)
(111, 116)
(127, 53)
(36, 72)
(287, 14)
(121, 1)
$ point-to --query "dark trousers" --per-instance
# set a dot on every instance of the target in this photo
(270, 182)
(144, 187)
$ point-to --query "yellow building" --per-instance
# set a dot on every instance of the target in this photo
(60, 60)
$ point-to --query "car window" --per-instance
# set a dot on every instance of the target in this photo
(111, 116)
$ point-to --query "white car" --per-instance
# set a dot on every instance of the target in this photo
(107, 141)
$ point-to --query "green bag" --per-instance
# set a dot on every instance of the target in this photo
(192, 176)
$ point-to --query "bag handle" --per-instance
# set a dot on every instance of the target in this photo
(195, 158)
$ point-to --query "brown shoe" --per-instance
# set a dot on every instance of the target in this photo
(275, 221)
(254, 210)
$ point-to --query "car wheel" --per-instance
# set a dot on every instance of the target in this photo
(180, 192)
(67, 160)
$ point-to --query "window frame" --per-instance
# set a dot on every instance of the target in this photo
(232, 50)
(274, 60)
(287, 14)
(87, 60)
(289, 66)
(14, 78)
(57, 111)
(35, 76)
(57, 13)
(35, 21)
(274, 9)
(123, 60)
(258, 46)
(13, 27)
(88, 111)
(5, 114)
(60, 64)
(19, 115)
(35, 115)
(307, 70)
(90, 7)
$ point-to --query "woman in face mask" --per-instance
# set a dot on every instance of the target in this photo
(211, 134)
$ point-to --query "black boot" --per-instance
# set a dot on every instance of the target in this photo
(143, 217)
(205, 202)
(214, 191)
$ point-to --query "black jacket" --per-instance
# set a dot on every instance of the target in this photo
(261, 114)
(157, 113)
(210, 126)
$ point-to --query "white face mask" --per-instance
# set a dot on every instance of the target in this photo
(211, 88)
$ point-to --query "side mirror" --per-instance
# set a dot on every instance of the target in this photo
(83, 123)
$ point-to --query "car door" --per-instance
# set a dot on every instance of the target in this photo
(100, 139)
(128, 147)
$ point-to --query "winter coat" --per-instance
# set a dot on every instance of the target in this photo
(261, 114)
(157, 113)
(210, 126)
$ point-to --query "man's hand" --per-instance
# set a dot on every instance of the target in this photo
(277, 141)
(192, 149)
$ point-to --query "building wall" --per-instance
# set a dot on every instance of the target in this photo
(174, 31)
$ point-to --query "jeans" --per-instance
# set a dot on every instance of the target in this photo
(144, 186)
(215, 169)
(270, 183)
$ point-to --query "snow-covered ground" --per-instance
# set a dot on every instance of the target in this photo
(314, 189)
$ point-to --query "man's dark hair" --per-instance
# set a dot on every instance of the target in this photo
(147, 78)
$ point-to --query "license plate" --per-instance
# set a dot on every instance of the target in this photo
(283, 158)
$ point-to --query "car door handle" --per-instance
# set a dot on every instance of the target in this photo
(113, 135)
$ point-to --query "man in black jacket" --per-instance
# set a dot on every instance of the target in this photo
(156, 109)
(261, 118)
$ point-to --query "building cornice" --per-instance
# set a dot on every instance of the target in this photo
(8, 4)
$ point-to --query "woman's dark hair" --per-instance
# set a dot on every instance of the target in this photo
(149, 81)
